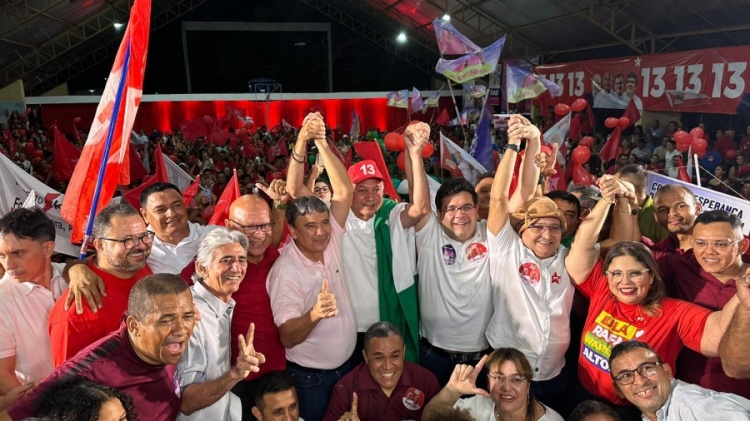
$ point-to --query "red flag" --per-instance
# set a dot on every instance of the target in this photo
(248, 149)
(137, 170)
(117, 108)
(12, 144)
(631, 112)
(371, 150)
(592, 120)
(133, 196)
(65, 157)
(230, 194)
(681, 172)
(443, 118)
(189, 193)
(611, 149)
(193, 129)
(575, 128)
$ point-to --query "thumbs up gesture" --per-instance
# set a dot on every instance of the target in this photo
(325, 307)
(352, 414)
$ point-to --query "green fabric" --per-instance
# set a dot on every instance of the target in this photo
(567, 241)
(647, 223)
(401, 309)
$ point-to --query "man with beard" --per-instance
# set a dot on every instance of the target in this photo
(676, 208)
(123, 244)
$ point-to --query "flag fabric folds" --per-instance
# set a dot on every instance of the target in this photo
(458, 162)
(398, 99)
(450, 41)
(416, 100)
(354, 130)
(65, 157)
(139, 167)
(432, 100)
(472, 65)
(230, 194)
(189, 193)
(177, 175)
(523, 84)
(110, 130)
(133, 196)
(481, 147)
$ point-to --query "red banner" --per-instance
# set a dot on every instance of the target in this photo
(705, 81)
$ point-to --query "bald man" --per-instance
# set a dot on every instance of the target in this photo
(264, 228)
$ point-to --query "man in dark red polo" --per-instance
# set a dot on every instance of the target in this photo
(707, 276)
(676, 208)
(384, 387)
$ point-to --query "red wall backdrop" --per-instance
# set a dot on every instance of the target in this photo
(167, 115)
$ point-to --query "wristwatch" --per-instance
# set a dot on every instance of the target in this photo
(512, 146)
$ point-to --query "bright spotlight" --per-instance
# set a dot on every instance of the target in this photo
(401, 38)
(446, 18)
(118, 25)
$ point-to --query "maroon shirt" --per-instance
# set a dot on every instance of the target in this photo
(700, 287)
(111, 361)
(254, 306)
(415, 388)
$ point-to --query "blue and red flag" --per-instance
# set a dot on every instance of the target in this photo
(450, 41)
(104, 161)
(523, 84)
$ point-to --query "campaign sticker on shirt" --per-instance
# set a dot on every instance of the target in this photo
(476, 251)
(530, 273)
(413, 399)
(449, 255)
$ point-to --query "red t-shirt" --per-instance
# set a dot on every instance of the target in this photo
(700, 287)
(610, 322)
(111, 361)
(415, 388)
(254, 306)
(71, 332)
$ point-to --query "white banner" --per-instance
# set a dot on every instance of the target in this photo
(177, 175)
(458, 161)
(15, 187)
(709, 199)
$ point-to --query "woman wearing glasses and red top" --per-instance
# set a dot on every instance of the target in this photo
(510, 397)
(628, 301)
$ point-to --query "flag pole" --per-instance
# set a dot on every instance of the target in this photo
(105, 154)
(697, 170)
(455, 105)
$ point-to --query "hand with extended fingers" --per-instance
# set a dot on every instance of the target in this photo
(325, 307)
(276, 190)
(249, 360)
(546, 163)
(463, 380)
(352, 414)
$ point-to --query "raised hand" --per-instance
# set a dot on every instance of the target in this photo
(249, 360)
(520, 128)
(325, 307)
(313, 128)
(276, 190)
(546, 163)
(352, 414)
(463, 380)
(417, 135)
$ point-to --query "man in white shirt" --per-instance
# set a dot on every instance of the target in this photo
(640, 376)
(28, 290)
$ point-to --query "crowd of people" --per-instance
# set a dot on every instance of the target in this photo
(319, 298)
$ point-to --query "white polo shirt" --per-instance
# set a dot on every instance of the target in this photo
(172, 258)
(360, 261)
(455, 292)
(532, 299)
(24, 313)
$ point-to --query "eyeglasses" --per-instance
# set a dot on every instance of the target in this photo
(515, 381)
(320, 190)
(616, 275)
(131, 242)
(646, 370)
(252, 229)
(451, 210)
(539, 229)
(717, 245)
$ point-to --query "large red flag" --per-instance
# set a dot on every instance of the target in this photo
(371, 150)
(189, 193)
(137, 169)
(113, 122)
(611, 149)
(230, 194)
(65, 157)
(133, 196)
(631, 112)
(248, 149)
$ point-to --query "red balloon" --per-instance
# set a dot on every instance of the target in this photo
(581, 176)
(580, 155)
(730, 154)
(38, 153)
(77, 120)
(611, 122)
(29, 147)
(699, 145)
(400, 161)
(587, 141)
(428, 150)
(561, 109)
(208, 212)
(623, 122)
(683, 137)
(579, 105)
(36, 160)
(697, 133)
(682, 147)
(394, 142)
(701, 153)
(208, 120)
(174, 158)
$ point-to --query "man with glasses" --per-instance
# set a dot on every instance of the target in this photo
(708, 277)
(122, 244)
(640, 376)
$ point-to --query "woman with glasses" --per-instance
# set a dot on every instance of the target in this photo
(509, 396)
(628, 301)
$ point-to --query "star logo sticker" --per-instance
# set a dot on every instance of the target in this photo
(637, 62)
(556, 278)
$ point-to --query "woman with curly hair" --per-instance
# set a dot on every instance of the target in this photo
(78, 399)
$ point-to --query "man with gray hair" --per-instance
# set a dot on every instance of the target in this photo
(309, 296)
(384, 386)
(122, 245)
(205, 372)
